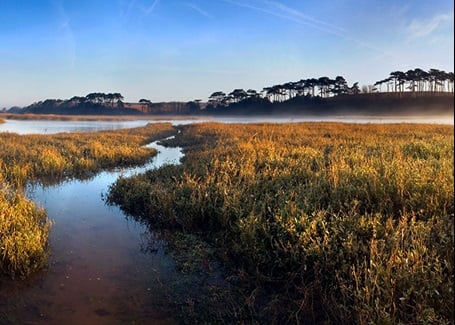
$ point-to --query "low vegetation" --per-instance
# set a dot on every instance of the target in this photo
(46, 159)
(313, 222)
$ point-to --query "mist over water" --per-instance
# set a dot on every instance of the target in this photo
(50, 127)
(343, 119)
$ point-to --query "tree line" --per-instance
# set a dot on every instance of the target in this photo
(416, 80)
(322, 87)
(113, 100)
(310, 91)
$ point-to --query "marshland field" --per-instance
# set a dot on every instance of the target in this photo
(306, 222)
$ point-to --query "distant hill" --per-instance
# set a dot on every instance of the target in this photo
(357, 104)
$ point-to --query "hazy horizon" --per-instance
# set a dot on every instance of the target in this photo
(185, 50)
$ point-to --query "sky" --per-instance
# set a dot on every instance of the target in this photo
(166, 50)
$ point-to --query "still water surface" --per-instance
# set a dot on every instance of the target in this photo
(45, 127)
(101, 269)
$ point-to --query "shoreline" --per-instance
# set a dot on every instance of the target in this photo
(441, 119)
(58, 117)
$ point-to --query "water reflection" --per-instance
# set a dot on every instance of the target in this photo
(49, 127)
(100, 268)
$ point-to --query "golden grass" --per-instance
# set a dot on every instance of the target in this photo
(57, 156)
(24, 228)
(318, 222)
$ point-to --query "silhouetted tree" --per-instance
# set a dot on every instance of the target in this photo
(450, 80)
(354, 89)
(217, 98)
(395, 76)
(340, 85)
(252, 93)
(237, 95)
(324, 85)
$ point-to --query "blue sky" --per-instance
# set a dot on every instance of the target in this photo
(167, 50)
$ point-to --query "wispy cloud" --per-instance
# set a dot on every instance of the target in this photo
(304, 19)
(137, 8)
(148, 10)
(67, 30)
(129, 7)
(277, 9)
(198, 10)
(134, 13)
(282, 11)
(426, 27)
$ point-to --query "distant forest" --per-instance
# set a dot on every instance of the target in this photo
(416, 80)
(401, 92)
(93, 103)
(412, 91)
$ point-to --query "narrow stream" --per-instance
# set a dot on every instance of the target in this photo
(100, 269)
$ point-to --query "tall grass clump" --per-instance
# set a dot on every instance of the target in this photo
(315, 222)
(24, 230)
(24, 227)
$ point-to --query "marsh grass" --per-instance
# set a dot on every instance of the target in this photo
(24, 229)
(45, 159)
(315, 222)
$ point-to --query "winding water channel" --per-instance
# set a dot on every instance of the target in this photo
(101, 269)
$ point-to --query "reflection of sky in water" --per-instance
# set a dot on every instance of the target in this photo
(43, 127)
(99, 259)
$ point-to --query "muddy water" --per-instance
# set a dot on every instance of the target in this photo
(103, 268)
